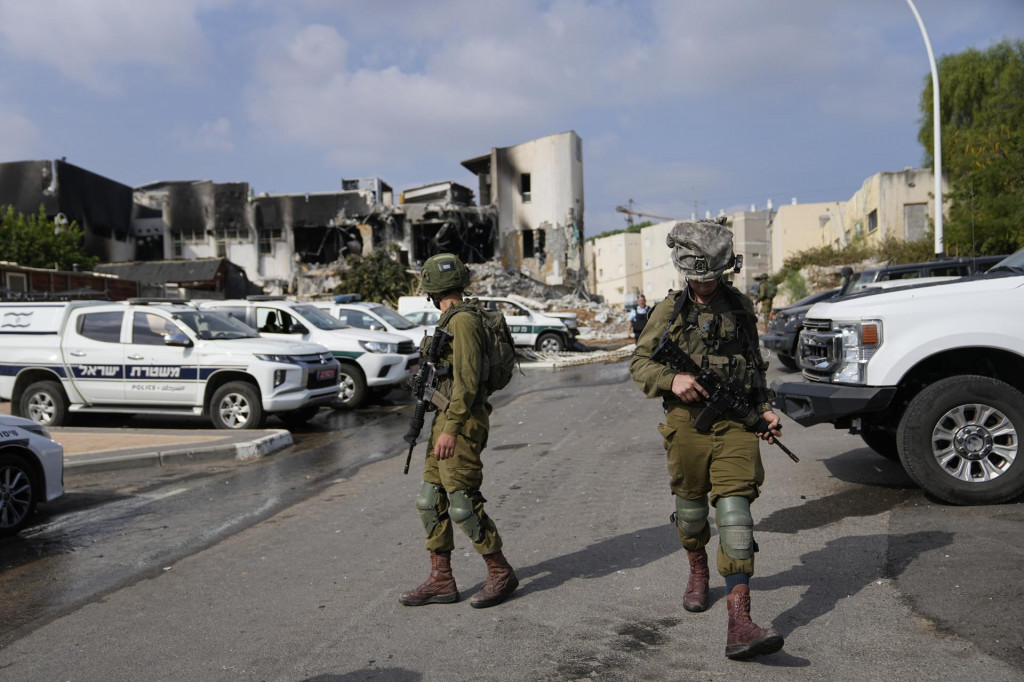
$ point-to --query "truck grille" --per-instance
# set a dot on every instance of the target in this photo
(820, 351)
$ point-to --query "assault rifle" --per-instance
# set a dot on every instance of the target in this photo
(724, 397)
(424, 389)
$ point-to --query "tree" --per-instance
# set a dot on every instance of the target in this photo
(35, 241)
(375, 277)
(981, 109)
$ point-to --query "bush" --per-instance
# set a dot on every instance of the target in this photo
(376, 277)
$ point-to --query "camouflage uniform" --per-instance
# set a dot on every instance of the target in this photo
(716, 327)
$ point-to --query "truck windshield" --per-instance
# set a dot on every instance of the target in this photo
(208, 325)
(1012, 263)
(393, 318)
(318, 318)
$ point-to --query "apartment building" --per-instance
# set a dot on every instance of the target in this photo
(617, 263)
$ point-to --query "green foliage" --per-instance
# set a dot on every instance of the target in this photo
(794, 286)
(632, 229)
(376, 277)
(982, 116)
(890, 250)
(35, 241)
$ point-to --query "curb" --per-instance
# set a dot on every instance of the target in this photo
(277, 440)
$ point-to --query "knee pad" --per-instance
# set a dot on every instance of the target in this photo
(691, 515)
(464, 514)
(735, 527)
(426, 505)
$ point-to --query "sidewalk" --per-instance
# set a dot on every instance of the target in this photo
(88, 450)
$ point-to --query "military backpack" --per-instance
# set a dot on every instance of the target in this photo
(499, 348)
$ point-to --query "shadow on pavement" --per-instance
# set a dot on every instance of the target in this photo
(629, 550)
(829, 575)
(370, 674)
(857, 502)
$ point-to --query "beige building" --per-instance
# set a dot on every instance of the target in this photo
(659, 274)
(894, 204)
(618, 267)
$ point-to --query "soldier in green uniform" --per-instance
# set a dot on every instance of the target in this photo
(454, 471)
(715, 324)
(765, 296)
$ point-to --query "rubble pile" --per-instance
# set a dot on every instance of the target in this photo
(597, 321)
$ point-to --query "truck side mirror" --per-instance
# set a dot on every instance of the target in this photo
(177, 339)
(297, 328)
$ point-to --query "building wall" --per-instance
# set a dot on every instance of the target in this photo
(553, 208)
(750, 239)
(618, 262)
(659, 274)
(798, 227)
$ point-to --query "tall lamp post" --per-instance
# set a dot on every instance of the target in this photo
(936, 133)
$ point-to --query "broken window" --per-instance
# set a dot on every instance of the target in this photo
(872, 221)
(524, 186)
(527, 243)
(267, 230)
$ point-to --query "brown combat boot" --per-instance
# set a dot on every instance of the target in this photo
(695, 599)
(500, 583)
(438, 588)
(746, 639)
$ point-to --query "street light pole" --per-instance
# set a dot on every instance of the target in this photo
(936, 133)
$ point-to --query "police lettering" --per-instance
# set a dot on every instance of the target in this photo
(155, 372)
(98, 370)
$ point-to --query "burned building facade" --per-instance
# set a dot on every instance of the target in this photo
(442, 218)
(537, 190)
(100, 206)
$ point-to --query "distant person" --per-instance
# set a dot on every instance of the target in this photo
(765, 296)
(638, 317)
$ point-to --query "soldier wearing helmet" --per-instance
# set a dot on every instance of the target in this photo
(715, 324)
(453, 472)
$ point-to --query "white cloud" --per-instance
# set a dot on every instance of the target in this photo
(20, 137)
(209, 136)
(87, 40)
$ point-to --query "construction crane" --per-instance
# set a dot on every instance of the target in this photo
(630, 213)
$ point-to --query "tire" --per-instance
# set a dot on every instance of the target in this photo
(17, 493)
(882, 442)
(236, 405)
(788, 361)
(351, 390)
(960, 440)
(550, 342)
(44, 402)
(300, 416)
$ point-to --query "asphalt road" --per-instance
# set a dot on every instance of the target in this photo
(289, 568)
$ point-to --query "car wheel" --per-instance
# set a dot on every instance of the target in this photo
(882, 442)
(44, 402)
(352, 389)
(237, 405)
(960, 439)
(550, 343)
(788, 361)
(300, 416)
(17, 493)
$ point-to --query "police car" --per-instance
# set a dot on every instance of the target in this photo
(364, 315)
(551, 332)
(31, 471)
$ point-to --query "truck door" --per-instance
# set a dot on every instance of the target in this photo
(519, 320)
(154, 371)
(95, 355)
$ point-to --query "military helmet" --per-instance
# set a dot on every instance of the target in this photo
(701, 249)
(443, 272)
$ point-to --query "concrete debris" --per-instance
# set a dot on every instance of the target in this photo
(596, 320)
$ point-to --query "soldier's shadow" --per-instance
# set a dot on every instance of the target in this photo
(833, 572)
(622, 552)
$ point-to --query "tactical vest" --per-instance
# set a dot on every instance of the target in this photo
(722, 336)
(640, 321)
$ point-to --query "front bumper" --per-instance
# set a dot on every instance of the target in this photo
(808, 402)
(388, 369)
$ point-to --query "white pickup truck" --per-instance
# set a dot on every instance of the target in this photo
(932, 375)
(153, 356)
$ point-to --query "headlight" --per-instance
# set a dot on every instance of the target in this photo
(858, 343)
(379, 346)
(276, 358)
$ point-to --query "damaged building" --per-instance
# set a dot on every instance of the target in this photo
(442, 218)
(537, 190)
(100, 206)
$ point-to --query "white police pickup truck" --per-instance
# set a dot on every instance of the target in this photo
(154, 356)
(369, 359)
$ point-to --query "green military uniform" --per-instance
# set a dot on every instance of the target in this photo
(467, 417)
(727, 461)
(450, 493)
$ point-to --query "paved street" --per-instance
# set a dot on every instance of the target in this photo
(288, 568)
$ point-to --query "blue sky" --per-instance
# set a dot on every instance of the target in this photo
(680, 103)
